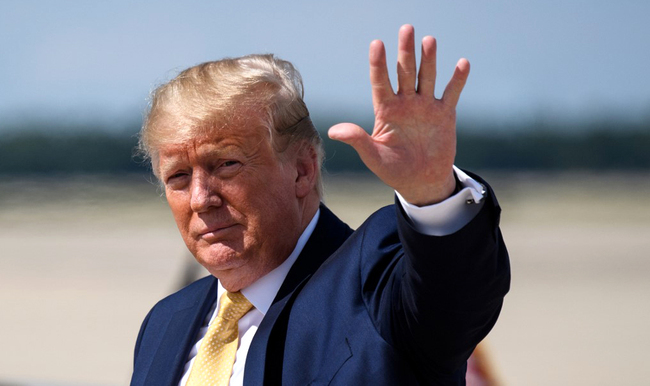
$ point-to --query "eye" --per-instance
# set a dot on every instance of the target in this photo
(176, 180)
(228, 168)
(229, 163)
(176, 175)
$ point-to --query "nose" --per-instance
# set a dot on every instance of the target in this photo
(204, 193)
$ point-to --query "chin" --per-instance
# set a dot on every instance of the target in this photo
(219, 258)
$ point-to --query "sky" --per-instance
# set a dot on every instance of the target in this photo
(66, 61)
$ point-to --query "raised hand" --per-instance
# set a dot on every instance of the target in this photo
(413, 143)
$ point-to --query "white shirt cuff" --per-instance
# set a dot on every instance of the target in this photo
(450, 215)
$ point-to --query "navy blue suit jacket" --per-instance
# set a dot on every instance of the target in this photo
(384, 305)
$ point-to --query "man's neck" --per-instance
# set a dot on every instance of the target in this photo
(262, 292)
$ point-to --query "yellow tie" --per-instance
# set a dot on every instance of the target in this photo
(216, 356)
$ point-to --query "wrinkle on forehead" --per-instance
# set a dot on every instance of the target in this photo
(243, 123)
(223, 143)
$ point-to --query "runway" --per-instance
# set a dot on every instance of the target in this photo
(83, 259)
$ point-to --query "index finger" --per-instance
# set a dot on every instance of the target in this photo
(379, 80)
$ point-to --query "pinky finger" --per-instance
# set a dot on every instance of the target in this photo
(456, 84)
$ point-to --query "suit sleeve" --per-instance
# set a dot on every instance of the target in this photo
(444, 293)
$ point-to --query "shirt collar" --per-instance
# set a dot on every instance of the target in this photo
(262, 292)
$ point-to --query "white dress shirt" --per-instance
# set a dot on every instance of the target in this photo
(439, 219)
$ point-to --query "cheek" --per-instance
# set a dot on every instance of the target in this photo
(181, 211)
(278, 210)
(265, 209)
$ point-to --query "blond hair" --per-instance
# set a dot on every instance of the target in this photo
(230, 91)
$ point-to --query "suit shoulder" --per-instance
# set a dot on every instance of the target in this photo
(382, 217)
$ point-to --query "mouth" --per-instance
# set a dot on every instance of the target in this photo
(216, 233)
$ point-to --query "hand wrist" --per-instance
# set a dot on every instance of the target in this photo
(429, 194)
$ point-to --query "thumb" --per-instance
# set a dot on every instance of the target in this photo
(354, 136)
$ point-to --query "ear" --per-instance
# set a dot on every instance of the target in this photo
(307, 170)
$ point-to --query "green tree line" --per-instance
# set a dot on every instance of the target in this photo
(37, 151)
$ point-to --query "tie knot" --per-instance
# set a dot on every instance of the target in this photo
(233, 306)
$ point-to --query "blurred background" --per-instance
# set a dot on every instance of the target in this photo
(556, 115)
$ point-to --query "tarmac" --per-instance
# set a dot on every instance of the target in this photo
(83, 259)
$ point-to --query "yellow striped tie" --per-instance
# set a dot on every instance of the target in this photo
(216, 356)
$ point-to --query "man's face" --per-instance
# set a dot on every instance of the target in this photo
(234, 202)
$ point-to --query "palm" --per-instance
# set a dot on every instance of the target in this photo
(413, 143)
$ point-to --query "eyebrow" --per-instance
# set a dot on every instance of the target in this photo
(203, 151)
(211, 150)
(220, 150)
(168, 166)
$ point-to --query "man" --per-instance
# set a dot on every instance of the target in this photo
(295, 297)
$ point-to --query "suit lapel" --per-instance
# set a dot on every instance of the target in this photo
(178, 339)
(329, 234)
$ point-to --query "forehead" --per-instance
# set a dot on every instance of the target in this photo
(247, 139)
